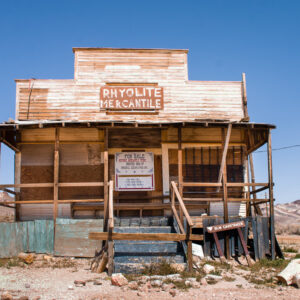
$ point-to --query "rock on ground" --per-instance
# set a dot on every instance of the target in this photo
(118, 279)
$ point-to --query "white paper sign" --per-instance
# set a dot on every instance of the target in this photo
(134, 171)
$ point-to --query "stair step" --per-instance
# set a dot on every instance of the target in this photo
(145, 221)
(146, 258)
(146, 247)
(127, 268)
(150, 229)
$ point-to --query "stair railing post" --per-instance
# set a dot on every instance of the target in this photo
(189, 249)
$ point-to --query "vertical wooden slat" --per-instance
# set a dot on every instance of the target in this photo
(270, 173)
(17, 181)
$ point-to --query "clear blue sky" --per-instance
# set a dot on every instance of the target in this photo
(225, 38)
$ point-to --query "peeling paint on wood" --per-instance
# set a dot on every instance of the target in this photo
(72, 237)
(33, 236)
(79, 99)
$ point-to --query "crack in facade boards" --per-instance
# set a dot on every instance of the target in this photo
(131, 98)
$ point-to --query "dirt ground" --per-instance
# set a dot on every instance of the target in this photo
(53, 278)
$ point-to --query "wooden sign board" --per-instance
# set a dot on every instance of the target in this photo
(131, 98)
(226, 226)
(134, 171)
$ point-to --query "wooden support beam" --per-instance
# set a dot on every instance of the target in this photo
(110, 252)
(9, 145)
(256, 146)
(175, 237)
(17, 181)
(180, 178)
(244, 95)
(240, 184)
(270, 175)
(178, 219)
(224, 154)
(247, 188)
(251, 143)
(111, 205)
(221, 254)
(190, 254)
(49, 184)
(202, 184)
(105, 223)
(79, 184)
(255, 191)
(225, 207)
(8, 191)
(105, 170)
(187, 216)
(56, 176)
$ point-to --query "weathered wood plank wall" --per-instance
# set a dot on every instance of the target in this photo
(81, 160)
(72, 237)
(79, 99)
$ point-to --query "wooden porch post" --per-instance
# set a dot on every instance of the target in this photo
(105, 208)
(180, 188)
(270, 172)
(223, 178)
(247, 188)
(56, 176)
(17, 181)
(225, 206)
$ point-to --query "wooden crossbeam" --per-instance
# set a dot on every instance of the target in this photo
(171, 237)
(8, 144)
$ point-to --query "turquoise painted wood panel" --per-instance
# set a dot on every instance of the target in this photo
(71, 237)
(32, 236)
(44, 234)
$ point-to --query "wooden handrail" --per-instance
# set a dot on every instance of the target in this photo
(241, 184)
(52, 201)
(50, 184)
(201, 184)
(184, 210)
(216, 184)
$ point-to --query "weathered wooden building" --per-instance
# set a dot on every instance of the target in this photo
(132, 136)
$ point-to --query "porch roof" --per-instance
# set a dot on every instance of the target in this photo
(17, 125)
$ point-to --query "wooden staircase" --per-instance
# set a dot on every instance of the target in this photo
(132, 256)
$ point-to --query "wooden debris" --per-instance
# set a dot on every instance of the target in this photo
(28, 258)
(100, 261)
